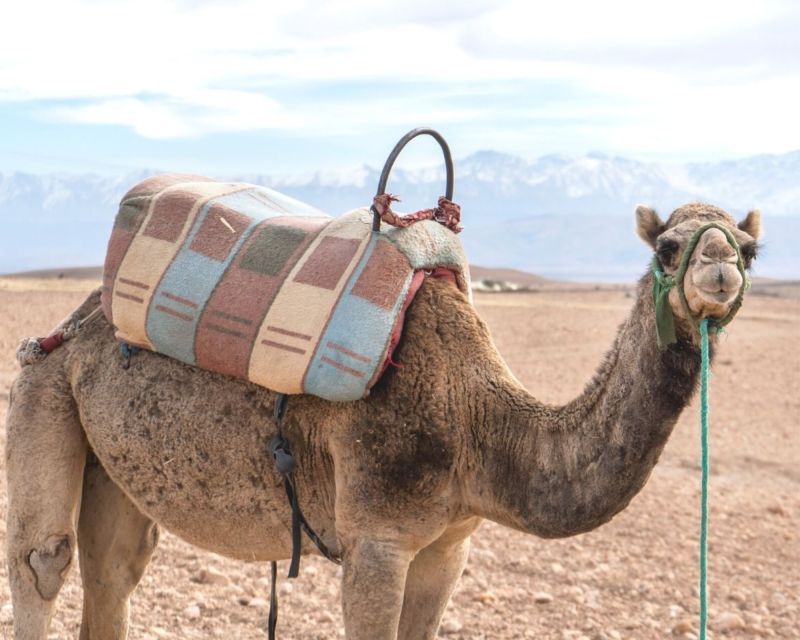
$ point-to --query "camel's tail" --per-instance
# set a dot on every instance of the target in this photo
(33, 350)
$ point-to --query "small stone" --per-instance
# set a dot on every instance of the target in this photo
(486, 597)
(243, 600)
(480, 583)
(286, 588)
(777, 510)
(310, 570)
(451, 625)
(6, 613)
(756, 630)
(727, 621)
(682, 627)
(192, 612)
(751, 617)
(159, 632)
(486, 555)
(211, 576)
(575, 594)
(557, 568)
(542, 597)
(257, 602)
(326, 616)
(675, 611)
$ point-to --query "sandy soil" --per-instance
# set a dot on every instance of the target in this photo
(634, 578)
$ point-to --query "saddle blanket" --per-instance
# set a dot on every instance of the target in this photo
(243, 280)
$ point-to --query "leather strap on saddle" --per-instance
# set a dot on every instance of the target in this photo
(285, 463)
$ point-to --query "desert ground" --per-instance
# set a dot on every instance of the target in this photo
(634, 578)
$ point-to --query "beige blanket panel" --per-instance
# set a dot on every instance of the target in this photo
(299, 314)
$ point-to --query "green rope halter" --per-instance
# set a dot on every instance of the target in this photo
(704, 471)
(665, 332)
(662, 283)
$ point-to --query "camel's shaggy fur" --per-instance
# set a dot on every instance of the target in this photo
(100, 457)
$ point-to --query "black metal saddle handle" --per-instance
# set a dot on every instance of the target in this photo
(387, 168)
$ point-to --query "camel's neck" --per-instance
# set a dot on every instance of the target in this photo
(558, 471)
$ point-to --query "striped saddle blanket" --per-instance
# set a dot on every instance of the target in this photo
(243, 280)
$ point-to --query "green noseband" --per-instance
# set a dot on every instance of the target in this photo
(662, 283)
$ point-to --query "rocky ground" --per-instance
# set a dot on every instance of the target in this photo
(633, 578)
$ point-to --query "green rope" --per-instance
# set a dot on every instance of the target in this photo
(666, 336)
(703, 477)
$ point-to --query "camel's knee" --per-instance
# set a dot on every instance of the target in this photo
(149, 540)
(139, 560)
(50, 563)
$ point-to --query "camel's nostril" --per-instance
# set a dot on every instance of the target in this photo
(716, 252)
(720, 277)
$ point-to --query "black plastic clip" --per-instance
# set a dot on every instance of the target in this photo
(127, 351)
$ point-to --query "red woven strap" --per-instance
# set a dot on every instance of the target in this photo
(446, 213)
(444, 273)
(52, 342)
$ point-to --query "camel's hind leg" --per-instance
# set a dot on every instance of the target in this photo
(45, 453)
(116, 542)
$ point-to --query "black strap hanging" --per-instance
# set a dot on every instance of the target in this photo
(272, 621)
(285, 463)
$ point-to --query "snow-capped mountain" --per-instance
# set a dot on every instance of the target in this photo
(556, 215)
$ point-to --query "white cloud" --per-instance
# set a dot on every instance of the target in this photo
(578, 27)
(183, 115)
(683, 75)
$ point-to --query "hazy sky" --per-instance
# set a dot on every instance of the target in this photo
(286, 87)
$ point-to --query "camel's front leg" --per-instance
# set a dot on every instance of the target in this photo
(45, 455)
(372, 588)
(431, 579)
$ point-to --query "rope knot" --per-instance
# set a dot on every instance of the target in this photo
(446, 213)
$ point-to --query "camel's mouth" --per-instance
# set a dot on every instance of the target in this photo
(717, 285)
(719, 297)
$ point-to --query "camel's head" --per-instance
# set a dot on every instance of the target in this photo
(713, 280)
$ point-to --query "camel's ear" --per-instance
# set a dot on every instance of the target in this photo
(648, 225)
(751, 225)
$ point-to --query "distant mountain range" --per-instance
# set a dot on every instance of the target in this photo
(558, 216)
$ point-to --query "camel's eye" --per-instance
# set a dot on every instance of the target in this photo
(749, 253)
(666, 250)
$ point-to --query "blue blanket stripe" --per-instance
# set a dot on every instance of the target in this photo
(360, 327)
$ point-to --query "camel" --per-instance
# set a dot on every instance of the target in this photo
(99, 457)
